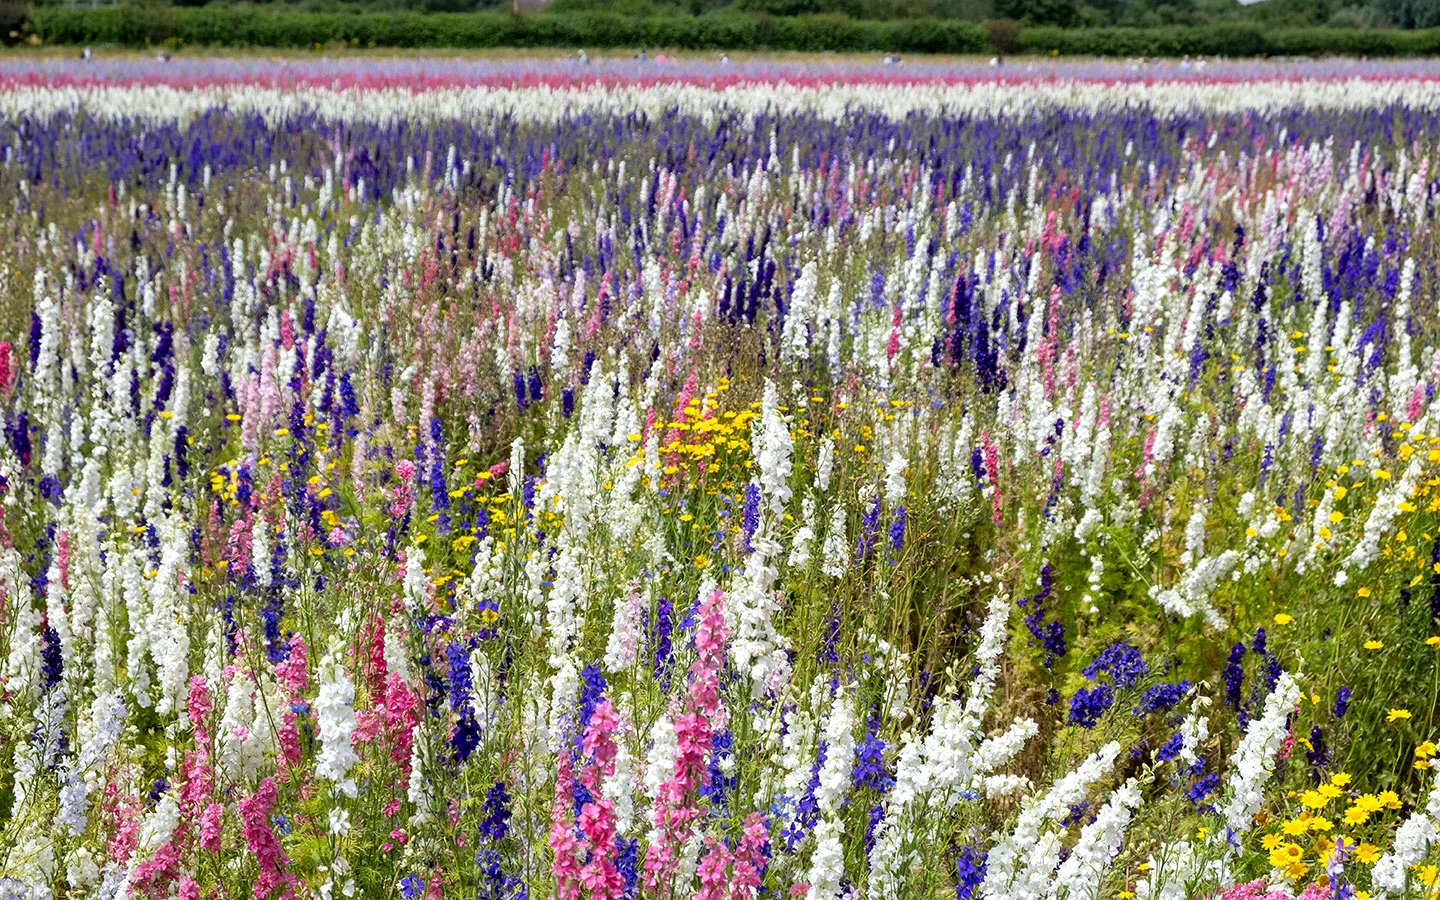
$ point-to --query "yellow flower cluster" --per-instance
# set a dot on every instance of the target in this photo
(1287, 846)
(703, 435)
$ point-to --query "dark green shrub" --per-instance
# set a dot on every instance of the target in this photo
(1003, 34)
(135, 25)
(1227, 39)
(14, 19)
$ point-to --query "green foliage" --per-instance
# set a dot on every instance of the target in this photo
(228, 26)
(1412, 13)
(1043, 33)
(1229, 39)
(13, 19)
(1040, 12)
(1003, 34)
(1363, 14)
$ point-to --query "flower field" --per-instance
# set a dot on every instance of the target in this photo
(516, 478)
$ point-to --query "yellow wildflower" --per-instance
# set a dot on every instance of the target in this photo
(1313, 799)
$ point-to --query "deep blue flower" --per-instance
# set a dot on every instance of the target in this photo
(277, 642)
(750, 517)
(1171, 748)
(1258, 645)
(807, 809)
(660, 642)
(1079, 812)
(1203, 788)
(1089, 704)
(465, 736)
(870, 768)
(347, 396)
(1122, 661)
(50, 489)
(970, 873)
(496, 823)
(52, 664)
(592, 690)
(628, 865)
(458, 655)
(877, 812)
(19, 434)
(1232, 675)
(1050, 634)
(1162, 697)
(869, 523)
(719, 784)
(897, 531)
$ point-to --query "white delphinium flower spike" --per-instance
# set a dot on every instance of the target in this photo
(335, 711)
